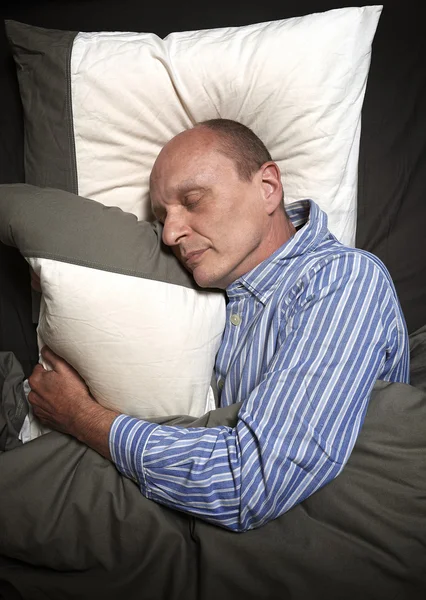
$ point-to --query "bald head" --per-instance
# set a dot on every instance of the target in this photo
(231, 138)
(221, 207)
(187, 145)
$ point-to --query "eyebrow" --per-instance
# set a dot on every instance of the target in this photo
(188, 186)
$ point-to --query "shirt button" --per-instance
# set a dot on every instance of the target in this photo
(221, 384)
(235, 320)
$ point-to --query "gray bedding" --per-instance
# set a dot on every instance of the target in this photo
(71, 527)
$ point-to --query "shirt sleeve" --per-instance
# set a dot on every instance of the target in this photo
(297, 428)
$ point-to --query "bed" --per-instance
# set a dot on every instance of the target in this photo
(71, 525)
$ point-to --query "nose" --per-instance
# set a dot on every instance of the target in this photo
(174, 229)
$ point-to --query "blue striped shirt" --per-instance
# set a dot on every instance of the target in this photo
(308, 333)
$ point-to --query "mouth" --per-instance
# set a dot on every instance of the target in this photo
(192, 258)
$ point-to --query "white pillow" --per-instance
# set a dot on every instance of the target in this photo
(116, 303)
(298, 83)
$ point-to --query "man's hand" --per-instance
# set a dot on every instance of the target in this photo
(58, 395)
(62, 401)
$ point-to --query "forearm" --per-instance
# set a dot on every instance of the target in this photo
(92, 427)
(196, 470)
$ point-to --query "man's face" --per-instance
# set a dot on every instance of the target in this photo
(214, 221)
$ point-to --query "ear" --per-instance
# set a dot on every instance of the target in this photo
(272, 189)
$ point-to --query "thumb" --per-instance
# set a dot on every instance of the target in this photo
(51, 358)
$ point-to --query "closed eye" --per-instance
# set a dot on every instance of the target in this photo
(192, 201)
(192, 204)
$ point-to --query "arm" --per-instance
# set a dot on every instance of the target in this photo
(297, 428)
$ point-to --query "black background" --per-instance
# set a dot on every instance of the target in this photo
(392, 166)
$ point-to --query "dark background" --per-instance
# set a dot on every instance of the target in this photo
(392, 166)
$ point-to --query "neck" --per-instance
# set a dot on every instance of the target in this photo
(282, 229)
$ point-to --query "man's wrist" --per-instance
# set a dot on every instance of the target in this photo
(92, 424)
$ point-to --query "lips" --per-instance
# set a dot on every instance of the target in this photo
(192, 258)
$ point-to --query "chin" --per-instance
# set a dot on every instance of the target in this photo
(202, 282)
(206, 280)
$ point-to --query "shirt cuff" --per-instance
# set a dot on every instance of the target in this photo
(128, 438)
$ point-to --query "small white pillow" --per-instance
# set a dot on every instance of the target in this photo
(116, 303)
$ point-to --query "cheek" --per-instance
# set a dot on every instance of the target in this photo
(239, 236)
(176, 252)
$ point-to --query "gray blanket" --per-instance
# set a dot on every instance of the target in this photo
(71, 527)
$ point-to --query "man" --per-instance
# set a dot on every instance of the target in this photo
(311, 325)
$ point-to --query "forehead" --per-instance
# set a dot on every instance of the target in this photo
(188, 164)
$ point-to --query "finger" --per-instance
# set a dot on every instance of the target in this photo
(35, 375)
(53, 359)
(34, 399)
(43, 416)
(58, 364)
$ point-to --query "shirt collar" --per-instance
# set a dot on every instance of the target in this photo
(260, 281)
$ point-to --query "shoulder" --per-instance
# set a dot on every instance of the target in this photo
(341, 274)
(337, 262)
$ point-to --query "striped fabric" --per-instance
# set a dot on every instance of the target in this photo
(308, 332)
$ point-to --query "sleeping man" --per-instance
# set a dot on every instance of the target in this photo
(311, 325)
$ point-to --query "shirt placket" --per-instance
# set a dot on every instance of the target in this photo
(233, 329)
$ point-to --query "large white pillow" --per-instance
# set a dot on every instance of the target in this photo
(102, 104)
